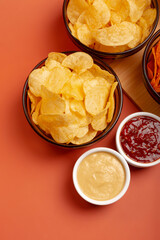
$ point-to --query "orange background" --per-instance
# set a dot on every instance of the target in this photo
(37, 197)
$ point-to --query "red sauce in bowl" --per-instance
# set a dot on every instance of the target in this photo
(140, 139)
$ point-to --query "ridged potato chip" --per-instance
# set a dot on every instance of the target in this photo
(70, 97)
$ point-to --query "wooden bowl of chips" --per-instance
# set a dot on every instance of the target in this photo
(151, 66)
(110, 29)
(71, 99)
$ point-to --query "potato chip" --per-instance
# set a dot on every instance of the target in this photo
(110, 49)
(35, 114)
(78, 62)
(98, 72)
(59, 57)
(58, 77)
(75, 8)
(116, 35)
(50, 63)
(34, 100)
(84, 35)
(82, 131)
(149, 15)
(99, 122)
(115, 18)
(135, 12)
(137, 34)
(112, 102)
(37, 78)
(144, 27)
(90, 85)
(73, 88)
(95, 100)
(73, 30)
(97, 15)
(52, 103)
(86, 138)
(64, 134)
(78, 106)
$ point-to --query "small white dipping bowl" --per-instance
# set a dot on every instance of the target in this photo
(124, 164)
(118, 144)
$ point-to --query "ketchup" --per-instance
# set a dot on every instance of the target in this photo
(140, 139)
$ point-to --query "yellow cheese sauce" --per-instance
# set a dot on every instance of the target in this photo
(101, 176)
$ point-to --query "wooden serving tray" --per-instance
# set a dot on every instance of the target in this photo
(129, 71)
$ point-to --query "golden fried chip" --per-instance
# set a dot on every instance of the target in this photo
(84, 35)
(78, 62)
(95, 100)
(73, 88)
(99, 122)
(75, 8)
(137, 34)
(82, 131)
(37, 78)
(52, 103)
(97, 15)
(59, 57)
(35, 114)
(58, 77)
(86, 138)
(116, 35)
(112, 102)
(110, 49)
(91, 84)
(50, 63)
(98, 72)
(78, 106)
(34, 100)
(64, 134)
(149, 15)
(135, 12)
(73, 30)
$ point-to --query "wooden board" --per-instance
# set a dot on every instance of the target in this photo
(129, 71)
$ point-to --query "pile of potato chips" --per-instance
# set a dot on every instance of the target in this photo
(153, 67)
(110, 26)
(72, 98)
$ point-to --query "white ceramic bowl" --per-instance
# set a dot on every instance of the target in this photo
(127, 175)
(118, 144)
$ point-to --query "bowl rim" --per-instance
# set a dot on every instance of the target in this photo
(104, 54)
(118, 144)
(125, 166)
(144, 66)
(94, 140)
